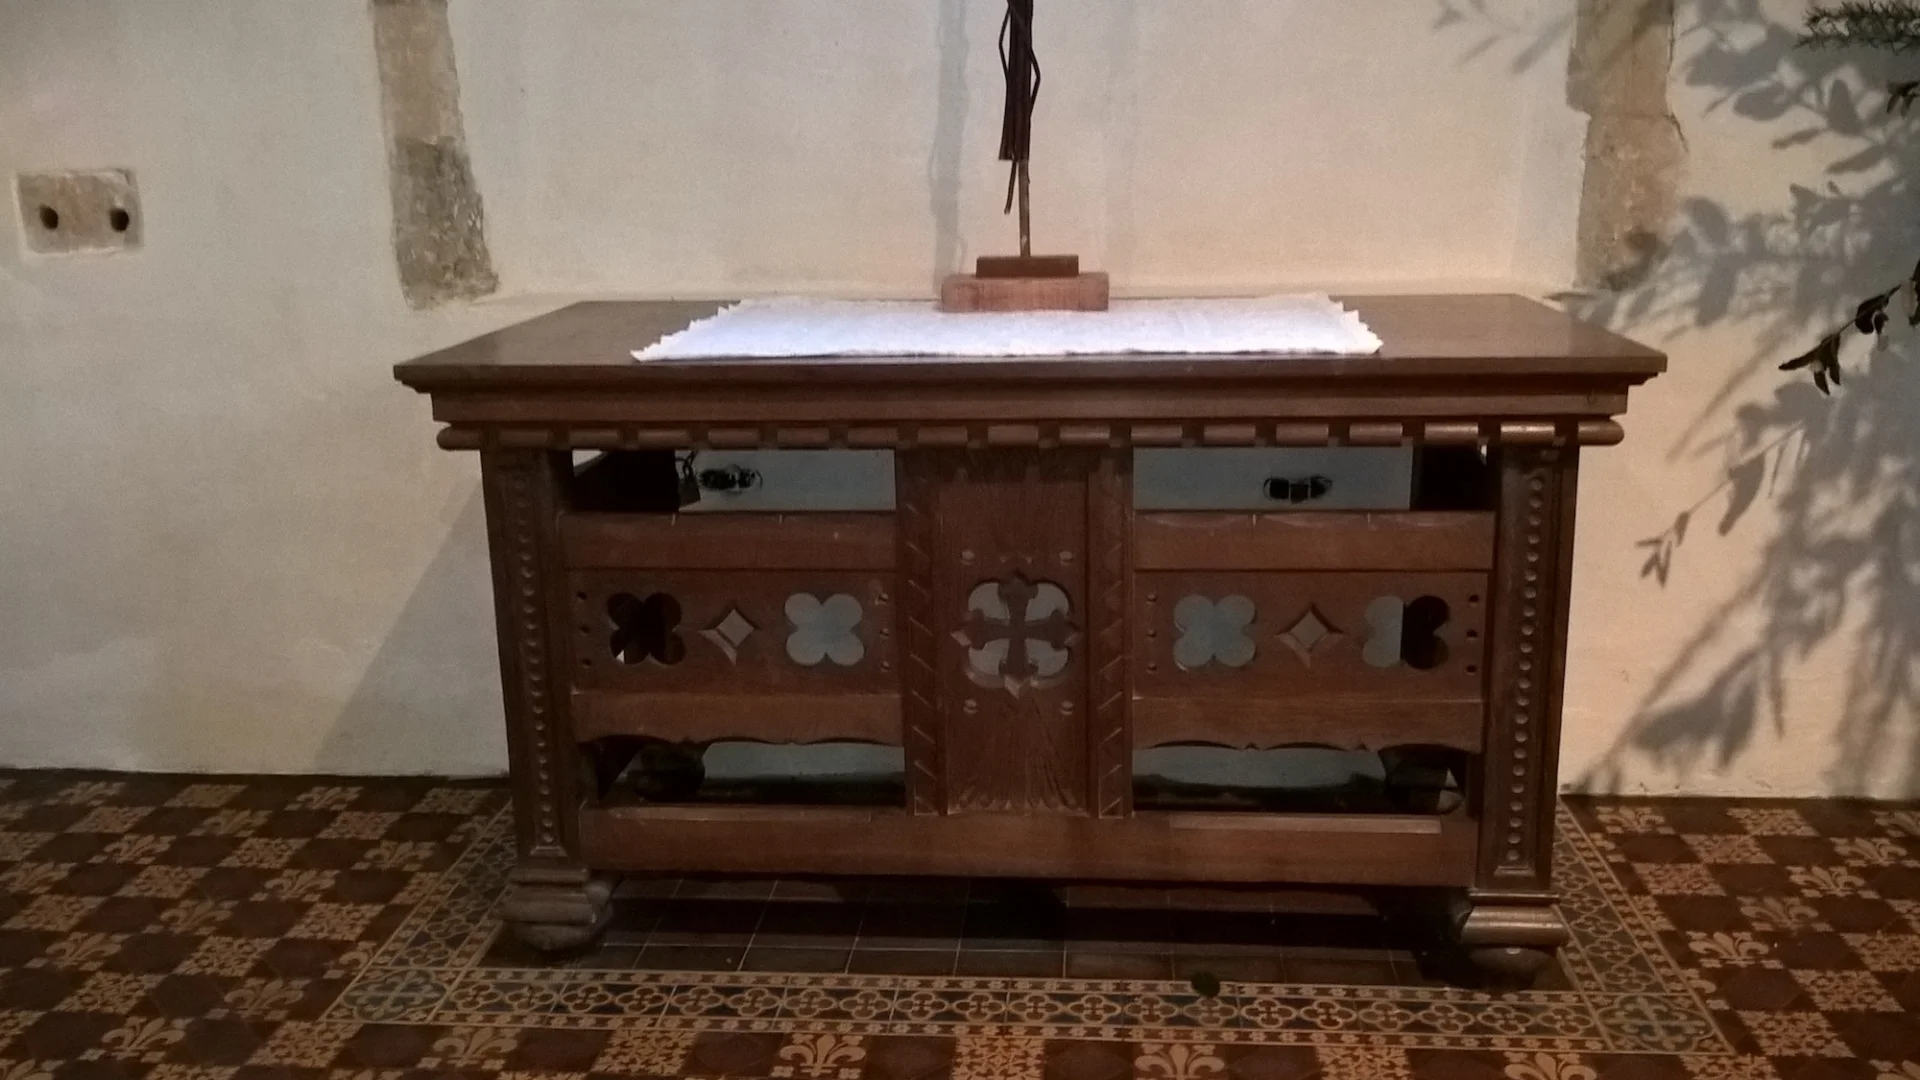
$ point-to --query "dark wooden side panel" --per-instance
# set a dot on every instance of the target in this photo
(774, 718)
(1265, 723)
(1354, 540)
(729, 541)
(522, 490)
(1528, 631)
(1301, 848)
(1012, 524)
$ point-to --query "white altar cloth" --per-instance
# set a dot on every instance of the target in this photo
(801, 327)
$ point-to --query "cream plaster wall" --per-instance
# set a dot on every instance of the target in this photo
(230, 544)
(226, 544)
(713, 146)
(1782, 654)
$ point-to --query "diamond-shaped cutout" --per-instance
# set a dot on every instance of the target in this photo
(1308, 633)
(730, 633)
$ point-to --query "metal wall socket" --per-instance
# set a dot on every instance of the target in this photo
(93, 210)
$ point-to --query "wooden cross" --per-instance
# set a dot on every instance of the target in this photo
(1023, 282)
(1022, 72)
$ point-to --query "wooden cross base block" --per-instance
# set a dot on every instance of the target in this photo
(1025, 283)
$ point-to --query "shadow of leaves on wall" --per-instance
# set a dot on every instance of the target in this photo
(1522, 36)
(1842, 474)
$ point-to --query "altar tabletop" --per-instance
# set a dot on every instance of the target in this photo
(1434, 336)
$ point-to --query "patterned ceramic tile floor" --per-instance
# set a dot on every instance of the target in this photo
(167, 929)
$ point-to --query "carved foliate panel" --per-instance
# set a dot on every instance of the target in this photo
(707, 631)
(1386, 636)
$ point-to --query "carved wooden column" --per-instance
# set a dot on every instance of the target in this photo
(916, 515)
(555, 902)
(1509, 924)
(1110, 609)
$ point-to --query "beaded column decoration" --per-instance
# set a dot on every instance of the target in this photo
(1529, 619)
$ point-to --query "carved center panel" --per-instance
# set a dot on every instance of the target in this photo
(997, 548)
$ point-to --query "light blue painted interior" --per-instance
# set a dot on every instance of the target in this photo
(820, 480)
(1364, 478)
(1305, 768)
(1310, 767)
(743, 761)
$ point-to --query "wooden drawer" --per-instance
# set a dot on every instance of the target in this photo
(1259, 478)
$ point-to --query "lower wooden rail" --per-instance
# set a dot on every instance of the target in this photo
(1346, 849)
(774, 718)
(1314, 540)
(1266, 723)
(813, 541)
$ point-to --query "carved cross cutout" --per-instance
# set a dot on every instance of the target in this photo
(1017, 652)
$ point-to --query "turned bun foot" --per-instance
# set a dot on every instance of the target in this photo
(1511, 967)
(556, 939)
(1509, 943)
(557, 916)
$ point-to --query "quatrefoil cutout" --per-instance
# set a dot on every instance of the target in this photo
(824, 630)
(1403, 632)
(1213, 632)
(645, 629)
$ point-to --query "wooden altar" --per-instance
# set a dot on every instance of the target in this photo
(1016, 627)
